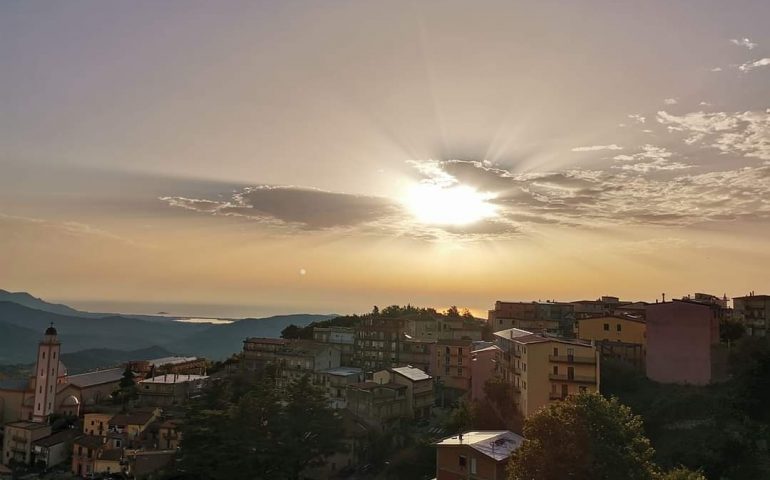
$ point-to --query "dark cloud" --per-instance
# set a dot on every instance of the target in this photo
(299, 207)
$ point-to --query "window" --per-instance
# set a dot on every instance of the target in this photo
(463, 461)
(459, 371)
(54, 354)
(555, 370)
(618, 327)
(606, 327)
(582, 389)
(523, 367)
(473, 465)
(524, 385)
(43, 354)
(556, 352)
(460, 351)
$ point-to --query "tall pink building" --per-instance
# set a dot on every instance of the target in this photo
(483, 368)
(682, 341)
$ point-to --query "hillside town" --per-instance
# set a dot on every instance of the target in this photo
(375, 370)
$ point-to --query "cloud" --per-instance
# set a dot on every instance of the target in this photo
(592, 198)
(743, 42)
(594, 148)
(637, 117)
(670, 101)
(295, 207)
(650, 158)
(16, 225)
(716, 69)
(749, 66)
(626, 194)
(743, 133)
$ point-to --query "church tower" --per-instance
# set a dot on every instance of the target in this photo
(46, 375)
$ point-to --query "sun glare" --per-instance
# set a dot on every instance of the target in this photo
(457, 205)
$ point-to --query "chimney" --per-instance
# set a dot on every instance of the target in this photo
(664, 297)
(461, 437)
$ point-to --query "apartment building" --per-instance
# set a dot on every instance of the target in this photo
(683, 343)
(336, 380)
(476, 455)
(175, 364)
(378, 342)
(258, 352)
(291, 358)
(18, 439)
(376, 403)
(622, 337)
(419, 388)
(544, 368)
(415, 353)
(343, 338)
(532, 316)
(451, 368)
(170, 389)
(484, 367)
(754, 312)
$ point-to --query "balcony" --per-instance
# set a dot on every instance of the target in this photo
(517, 370)
(573, 378)
(556, 396)
(572, 359)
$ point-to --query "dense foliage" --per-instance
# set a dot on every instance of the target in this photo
(722, 429)
(250, 429)
(584, 437)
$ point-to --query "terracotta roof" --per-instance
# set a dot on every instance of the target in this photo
(98, 377)
(137, 418)
(90, 441)
(148, 462)
(114, 454)
(373, 385)
(57, 438)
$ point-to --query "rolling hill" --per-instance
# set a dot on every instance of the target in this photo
(104, 341)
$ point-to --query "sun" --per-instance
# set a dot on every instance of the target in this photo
(448, 205)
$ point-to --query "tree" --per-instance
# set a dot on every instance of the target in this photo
(583, 437)
(452, 311)
(682, 473)
(310, 429)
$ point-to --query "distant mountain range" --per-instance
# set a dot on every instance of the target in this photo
(102, 340)
(27, 300)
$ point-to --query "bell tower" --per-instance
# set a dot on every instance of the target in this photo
(46, 374)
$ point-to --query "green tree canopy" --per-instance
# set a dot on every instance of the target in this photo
(585, 437)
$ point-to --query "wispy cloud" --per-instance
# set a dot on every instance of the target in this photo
(637, 117)
(716, 69)
(749, 66)
(650, 158)
(743, 133)
(295, 207)
(743, 42)
(595, 148)
(670, 101)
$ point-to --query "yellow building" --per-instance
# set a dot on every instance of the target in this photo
(616, 336)
(96, 423)
(543, 368)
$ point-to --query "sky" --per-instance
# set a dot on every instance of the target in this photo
(253, 158)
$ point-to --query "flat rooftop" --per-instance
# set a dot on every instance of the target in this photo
(159, 362)
(496, 444)
(343, 371)
(412, 373)
(174, 378)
